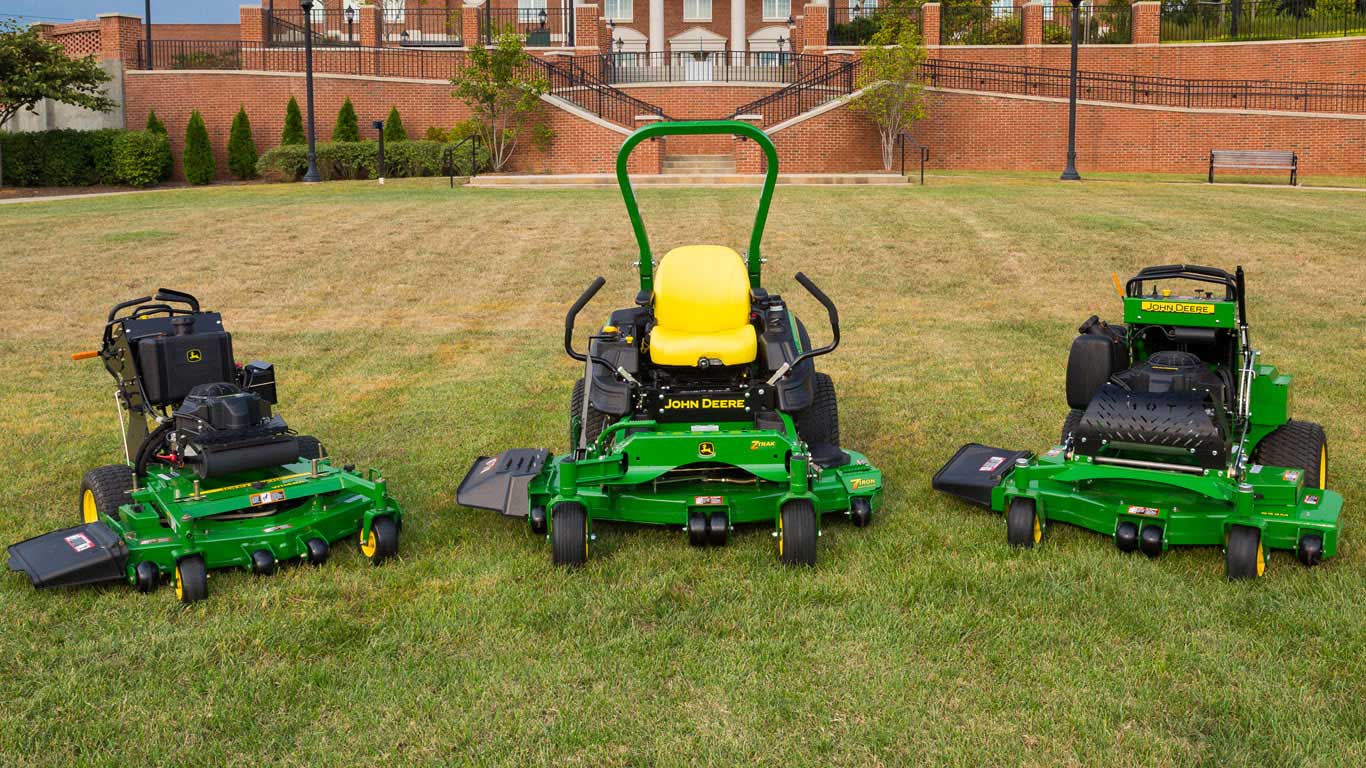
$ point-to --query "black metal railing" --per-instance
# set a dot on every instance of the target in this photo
(855, 23)
(286, 27)
(1096, 24)
(551, 26)
(703, 66)
(980, 25)
(191, 54)
(820, 86)
(1200, 21)
(413, 27)
(1140, 89)
(574, 84)
(344, 60)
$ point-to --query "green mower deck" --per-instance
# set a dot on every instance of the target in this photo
(703, 446)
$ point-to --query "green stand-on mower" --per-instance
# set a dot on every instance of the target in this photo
(699, 407)
(217, 481)
(1179, 435)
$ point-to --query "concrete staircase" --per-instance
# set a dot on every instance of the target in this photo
(609, 181)
(699, 165)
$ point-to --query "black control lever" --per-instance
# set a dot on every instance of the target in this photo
(834, 314)
(587, 296)
(179, 297)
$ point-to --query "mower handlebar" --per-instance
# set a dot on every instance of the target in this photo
(179, 297)
(574, 310)
(834, 314)
(126, 304)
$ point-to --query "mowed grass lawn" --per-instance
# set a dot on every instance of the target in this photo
(415, 328)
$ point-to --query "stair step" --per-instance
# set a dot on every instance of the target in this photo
(723, 179)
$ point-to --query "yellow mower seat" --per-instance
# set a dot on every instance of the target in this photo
(702, 308)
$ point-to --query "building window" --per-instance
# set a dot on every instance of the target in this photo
(777, 10)
(528, 11)
(618, 10)
(697, 10)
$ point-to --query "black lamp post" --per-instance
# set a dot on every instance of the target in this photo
(541, 17)
(782, 43)
(1070, 172)
(379, 126)
(312, 174)
(147, 24)
(350, 22)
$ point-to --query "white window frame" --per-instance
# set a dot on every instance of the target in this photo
(628, 5)
(784, 7)
(697, 7)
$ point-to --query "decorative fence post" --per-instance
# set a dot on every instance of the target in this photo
(813, 27)
(1031, 18)
(1147, 23)
(929, 23)
(470, 25)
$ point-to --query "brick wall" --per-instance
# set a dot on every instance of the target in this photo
(195, 31)
(698, 102)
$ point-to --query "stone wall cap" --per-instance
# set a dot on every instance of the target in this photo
(118, 16)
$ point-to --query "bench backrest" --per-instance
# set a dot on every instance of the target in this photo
(1253, 158)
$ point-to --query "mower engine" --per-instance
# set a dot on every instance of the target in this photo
(221, 429)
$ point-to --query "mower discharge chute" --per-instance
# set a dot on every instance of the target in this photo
(217, 481)
(1178, 435)
(700, 406)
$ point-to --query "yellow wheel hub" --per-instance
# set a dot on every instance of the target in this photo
(1323, 466)
(90, 512)
(179, 585)
(780, 535)
(369, 546)
(1038, 530)
(1261, 559)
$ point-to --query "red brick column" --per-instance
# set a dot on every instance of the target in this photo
(588, 29)
(1031, 17)
(648, 156)
(1147, 23)
(929, 23)
(749, 158)
(251, 25)
(370, 23)
(469, 23)
(812, 27)
(119, 36)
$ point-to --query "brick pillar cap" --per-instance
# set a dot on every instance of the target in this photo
(647, 118)
(118, 16)
(751, 118)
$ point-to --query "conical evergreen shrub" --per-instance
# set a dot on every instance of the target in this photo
(198, 158)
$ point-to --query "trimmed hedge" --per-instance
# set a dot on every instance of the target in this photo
(61, 158)
(138, 157)
(359, 160)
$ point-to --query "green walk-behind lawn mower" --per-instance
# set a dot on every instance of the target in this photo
(700, 406)
(211, 477)
(1178, 435)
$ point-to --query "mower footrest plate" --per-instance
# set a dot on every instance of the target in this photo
(500, 482)
(87, 554)
(975, 470)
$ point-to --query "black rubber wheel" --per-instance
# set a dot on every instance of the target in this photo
(1243, 558)
(1126, 536)
(317, 551)
(1150, 540)
(718, 529)
(146, 576)
(1069, 424)
(697, 529)
(1023, 528)
(262, 562)
(861, 511)
(1309, 550)
(1297, 445)
(819, 424)
(797, 533)
(310, 447)
(103, 491)
(191, 579)
(382, 542)
(597, 420)
(536, 519)
(569, 534)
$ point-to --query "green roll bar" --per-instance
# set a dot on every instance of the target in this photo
(696, 128)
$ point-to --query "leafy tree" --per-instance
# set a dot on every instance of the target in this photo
(242, 147)
(890, 93)
(33, 69)
(347, 128)
(154, 125)
(199, 165)
(502, 91)
(393, 127)
(294, 125)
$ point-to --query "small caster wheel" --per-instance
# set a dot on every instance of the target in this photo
(537, 520)
(569, 534)
(262, 562)
(697, 529)
(191, 579)
(797, 533)
(1126, 536)
(382, 543)
(718, 529)
(861, 511)
(1022, 523)
(1243, 556)
(1150, 540)
(1310, 550)
(146, 575)
(317, 551)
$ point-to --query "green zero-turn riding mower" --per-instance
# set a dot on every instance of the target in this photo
(211, 477)
(700, 406)
(1178, 434)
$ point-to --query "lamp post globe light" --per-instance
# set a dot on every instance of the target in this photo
(1070, 172)
(350, 14)
(312, 174)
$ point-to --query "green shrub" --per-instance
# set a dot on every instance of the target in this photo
(138, 157)
(393, 127)
(359, 160)
(287, 162)
(61, 158)
(199, 164)
(294, 125)
(241, 147)
(154, 125)
(347, 128)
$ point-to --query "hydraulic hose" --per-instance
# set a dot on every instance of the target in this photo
(149, 446)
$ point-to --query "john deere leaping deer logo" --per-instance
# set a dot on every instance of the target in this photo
(194, 356)
(706, 450)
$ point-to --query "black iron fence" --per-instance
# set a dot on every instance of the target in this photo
(546, 27)
(819, 86)
(1096, 24)
(344, 60)
(1200, 21)
(701, 66)
(855, 23)
(423, 27)
(577, 85)
(191, 54)
(330, 26)
(980, 25)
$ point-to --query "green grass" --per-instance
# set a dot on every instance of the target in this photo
(415, 328)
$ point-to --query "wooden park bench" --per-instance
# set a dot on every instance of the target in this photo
(1257, 159)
